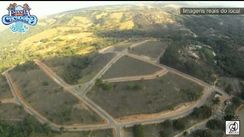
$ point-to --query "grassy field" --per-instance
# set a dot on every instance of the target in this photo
(78, 69)
(11, 112)
(127, 66)
(4, 88)
(49, 98)
(146, 96)
(151, 49)
(123, 45)
(99, 133)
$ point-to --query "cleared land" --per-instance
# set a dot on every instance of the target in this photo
(127, 66)
(123, 45)
(145, 96)
(78, 69)
(48, 98)
(11, 112)
(4, 88)
(151, 49)
(99, 133)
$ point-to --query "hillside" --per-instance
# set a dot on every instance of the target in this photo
(208, 47)
(75, 32)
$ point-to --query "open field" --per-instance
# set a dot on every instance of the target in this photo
(49, 99)
(151, 49)
(4, 88)
(127, 66)
(145, 96)
(99, 133)
(11, 112)
(123, 45)
(78, 69)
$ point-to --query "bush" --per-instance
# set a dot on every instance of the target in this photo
(201, 112)
(216, 124)
(132, 86)
(190, 94)
(104, 85)
(179, 124)
(202, 133)
(138, 131)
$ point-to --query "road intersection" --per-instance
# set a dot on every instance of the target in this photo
(112, 123)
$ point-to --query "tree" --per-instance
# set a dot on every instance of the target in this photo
(201, 112)
(228, 89)
(138, 131)
(216, 101)
(216, 124)
(201, 133)
(179, 124)
(133, 86)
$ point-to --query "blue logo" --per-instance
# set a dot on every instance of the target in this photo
(19, 17)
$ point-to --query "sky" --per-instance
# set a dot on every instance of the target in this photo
(44, 8)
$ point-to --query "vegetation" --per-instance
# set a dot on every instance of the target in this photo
(242, 90)
(127, 66)
(78, 69)
(191, 94)
(231, 107)
(4, 88)
(216, 124)
(138, 131)
(151, 49)
(25, 128)
(132, 86)
(103, 85)
(179, 124)
(50, 99)
(152, 96)
(202, 112)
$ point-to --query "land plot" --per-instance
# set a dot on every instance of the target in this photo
(50, 99)
(78, 69)
(151, 49)
(127, 66)
(145, 96)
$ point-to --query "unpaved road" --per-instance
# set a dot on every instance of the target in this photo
(112, 123)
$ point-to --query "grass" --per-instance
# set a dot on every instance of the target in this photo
(11, 112)
(48, 98)
(146, 96)
(78, 69)
(151, 49)
(4, 88)
(99, 133)
(127, 66)
(123, 45)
